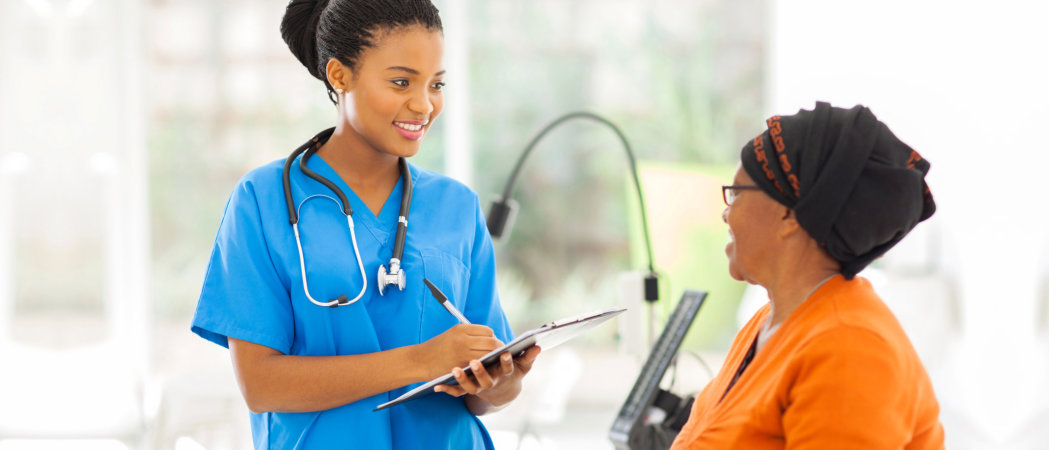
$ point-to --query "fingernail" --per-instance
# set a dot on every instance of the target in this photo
(476, 366)
(506, 357)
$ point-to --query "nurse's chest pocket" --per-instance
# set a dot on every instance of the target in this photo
(452, 277)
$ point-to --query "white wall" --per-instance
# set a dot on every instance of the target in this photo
(964, 83)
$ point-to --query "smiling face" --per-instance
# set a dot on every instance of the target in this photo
(752, 223)
(391, 99)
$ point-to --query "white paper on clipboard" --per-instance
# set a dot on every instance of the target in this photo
(547, 336)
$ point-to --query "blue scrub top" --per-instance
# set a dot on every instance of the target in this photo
(253, 291)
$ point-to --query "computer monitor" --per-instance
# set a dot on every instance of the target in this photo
(632, 416)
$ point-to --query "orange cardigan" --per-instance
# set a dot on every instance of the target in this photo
(838, 374)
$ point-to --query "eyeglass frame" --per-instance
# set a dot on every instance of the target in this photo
(734, 187)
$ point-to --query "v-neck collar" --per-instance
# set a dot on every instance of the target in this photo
(772, 346)
(383, 226)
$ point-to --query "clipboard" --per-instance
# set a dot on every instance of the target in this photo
(547, 336)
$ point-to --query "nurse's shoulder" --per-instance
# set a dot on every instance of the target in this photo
(261, 182)
(451, 192)
(265, 177)
(259, 193)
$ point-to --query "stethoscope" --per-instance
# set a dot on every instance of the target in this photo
(395, 275)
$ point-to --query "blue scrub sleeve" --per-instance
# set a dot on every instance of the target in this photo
(243, 295)
(482, 304)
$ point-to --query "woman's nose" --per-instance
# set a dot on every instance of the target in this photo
(421, 103)
(724, 215)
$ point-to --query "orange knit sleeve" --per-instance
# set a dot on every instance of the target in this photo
(848, 389)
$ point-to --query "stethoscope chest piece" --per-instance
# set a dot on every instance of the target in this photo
(395, 276)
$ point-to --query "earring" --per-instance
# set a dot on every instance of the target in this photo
(338, 91)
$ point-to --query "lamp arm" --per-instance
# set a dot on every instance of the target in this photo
(512, 181)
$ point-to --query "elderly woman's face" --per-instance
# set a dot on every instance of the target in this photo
(751, 223)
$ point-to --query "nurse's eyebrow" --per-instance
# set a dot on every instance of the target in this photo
(411, 71)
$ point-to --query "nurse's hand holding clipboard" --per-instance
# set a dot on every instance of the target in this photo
(497, 386)
(489, 389)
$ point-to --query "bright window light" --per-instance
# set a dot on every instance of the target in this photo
(57, 444)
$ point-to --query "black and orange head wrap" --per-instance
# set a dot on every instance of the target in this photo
(853, 186)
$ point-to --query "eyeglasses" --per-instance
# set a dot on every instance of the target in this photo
(730, 193)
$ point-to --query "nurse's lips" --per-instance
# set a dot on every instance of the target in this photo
(412, 130)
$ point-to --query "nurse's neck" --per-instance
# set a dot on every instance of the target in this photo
(371, 174)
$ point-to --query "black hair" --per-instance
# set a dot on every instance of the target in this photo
(318, 30)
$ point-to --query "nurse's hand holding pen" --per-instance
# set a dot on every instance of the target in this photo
(486, 390)
(456, 348)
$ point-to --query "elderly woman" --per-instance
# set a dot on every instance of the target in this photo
(818, 196)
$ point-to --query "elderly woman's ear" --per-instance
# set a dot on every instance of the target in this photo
(789, 224)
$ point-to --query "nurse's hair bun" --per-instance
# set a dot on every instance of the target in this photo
(318, 30)
(299, 30)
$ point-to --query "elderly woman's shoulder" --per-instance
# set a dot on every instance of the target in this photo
(852, 318)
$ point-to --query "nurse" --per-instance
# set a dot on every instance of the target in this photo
(312, 375)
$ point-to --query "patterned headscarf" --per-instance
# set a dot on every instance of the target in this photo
(853, 186)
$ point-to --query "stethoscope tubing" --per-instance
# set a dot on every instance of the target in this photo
(307, 150)
(293, 216)
(402, 219)
(356, 251)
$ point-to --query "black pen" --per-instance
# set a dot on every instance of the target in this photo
(444, 302)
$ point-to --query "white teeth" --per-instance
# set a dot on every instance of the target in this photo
(408, 126)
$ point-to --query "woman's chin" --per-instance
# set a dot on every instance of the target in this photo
(733, 271)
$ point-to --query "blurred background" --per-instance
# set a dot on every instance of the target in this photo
(125, 124)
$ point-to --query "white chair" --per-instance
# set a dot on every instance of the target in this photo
(204, 405)
(543, 401)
